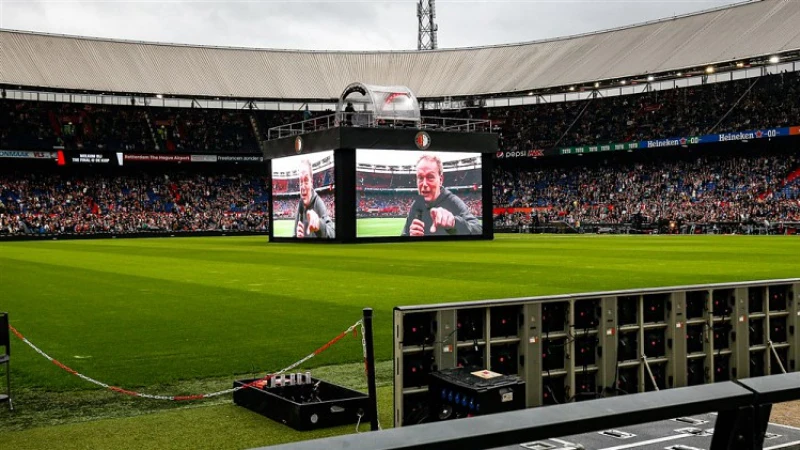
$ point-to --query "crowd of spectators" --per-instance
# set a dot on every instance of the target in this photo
(749, 104)
(27, 125)
(703, 190)
(384, 205)
(43, 126)
(206, 131)
(286, 208)
(394, 180)
(49, 204)
(323, 178)
(397, 204)
(767, 101)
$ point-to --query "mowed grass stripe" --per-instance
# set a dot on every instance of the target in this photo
(149, 311)
(145, 313)
(353, 258)
(217, 427)
(137, 331)
(335, 278)
(515, 244)
(375, 227)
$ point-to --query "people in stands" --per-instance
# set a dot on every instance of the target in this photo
(747, 190)
(53, 204)
(691, 111)
(705, 190)
(773, 101)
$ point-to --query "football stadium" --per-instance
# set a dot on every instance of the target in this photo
(583, 242)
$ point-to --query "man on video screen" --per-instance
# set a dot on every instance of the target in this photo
(312, 219)
(437, 211)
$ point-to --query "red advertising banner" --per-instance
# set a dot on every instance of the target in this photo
(497, 211)
(156, 158)
(794, 131)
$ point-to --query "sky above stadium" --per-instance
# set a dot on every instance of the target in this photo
(334, 24)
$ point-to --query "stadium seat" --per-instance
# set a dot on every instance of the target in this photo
(5, 358)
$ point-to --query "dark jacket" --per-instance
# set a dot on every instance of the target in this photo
(466, 223)
(327, 229)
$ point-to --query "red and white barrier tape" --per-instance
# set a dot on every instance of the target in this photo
(352, 328)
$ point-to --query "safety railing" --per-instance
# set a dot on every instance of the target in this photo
(743, 409)
(370, 120)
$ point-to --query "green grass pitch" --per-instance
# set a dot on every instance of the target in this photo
(365, 227)
(149, 314)
(374, 227)
(380, 227)
(284, 228)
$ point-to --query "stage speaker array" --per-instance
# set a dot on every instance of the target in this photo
(583, 347)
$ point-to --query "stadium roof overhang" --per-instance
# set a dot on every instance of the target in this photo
(748, 33)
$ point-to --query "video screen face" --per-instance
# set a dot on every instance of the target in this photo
(303, 198)
(418, 193)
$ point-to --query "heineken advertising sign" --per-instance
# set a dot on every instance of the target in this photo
(738, 136)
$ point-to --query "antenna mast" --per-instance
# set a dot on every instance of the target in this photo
(426, 36)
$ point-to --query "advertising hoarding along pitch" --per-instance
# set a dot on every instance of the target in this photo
(140, 157)
(25, 154)
(737, 136)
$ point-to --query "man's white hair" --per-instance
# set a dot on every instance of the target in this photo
(434, 158)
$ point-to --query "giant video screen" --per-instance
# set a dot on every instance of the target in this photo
(418, 193)
(303, 197)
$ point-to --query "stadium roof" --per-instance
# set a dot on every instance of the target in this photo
(749, 30)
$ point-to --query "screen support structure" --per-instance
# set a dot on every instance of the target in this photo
(345, 160)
